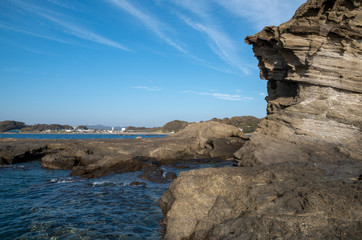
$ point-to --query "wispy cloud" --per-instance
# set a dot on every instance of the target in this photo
(15, 29)
(219, 43)
(149, 21)
(221, 96)
(63, 4)
(70, 27)
(262, 12)
(83, 33)
(151, 89)
(262, 94)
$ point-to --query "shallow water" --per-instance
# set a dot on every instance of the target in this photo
(48, 204)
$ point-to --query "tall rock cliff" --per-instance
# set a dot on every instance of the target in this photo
(301, 173)
(313, 64)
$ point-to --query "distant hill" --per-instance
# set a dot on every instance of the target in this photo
(247, 123)
(99, 127)
(6, 126)
(44, 127)
(174, 126)
(142, 129)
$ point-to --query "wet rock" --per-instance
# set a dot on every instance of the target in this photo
(142, 184)
(153, 174)
(171, 176)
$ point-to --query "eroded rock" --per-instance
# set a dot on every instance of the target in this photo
(280, 201)
(299, 175)
(313, 67)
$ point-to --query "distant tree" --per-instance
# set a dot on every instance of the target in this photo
(6, 126)
(174, 126)
(82, 127)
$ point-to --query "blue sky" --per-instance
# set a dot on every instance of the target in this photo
(140, 62)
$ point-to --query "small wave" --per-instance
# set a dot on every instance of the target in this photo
(164, 171)
(62, 180)
(102, 183)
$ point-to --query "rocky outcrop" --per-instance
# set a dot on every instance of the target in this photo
(313, 67)
(301, 170)
(282, 201)
(94, 158)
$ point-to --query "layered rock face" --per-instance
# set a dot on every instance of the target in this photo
(313, 64)
(301, 172)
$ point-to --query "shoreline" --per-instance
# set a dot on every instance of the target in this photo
(93, 133)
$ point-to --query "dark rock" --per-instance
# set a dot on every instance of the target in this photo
(171, 176)
(153, 174)
(156, 163)
(138, 184)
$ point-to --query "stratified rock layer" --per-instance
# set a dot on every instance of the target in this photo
(301, 175)
(313, 64)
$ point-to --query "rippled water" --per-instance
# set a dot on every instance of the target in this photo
(47, 204)
(37, 203)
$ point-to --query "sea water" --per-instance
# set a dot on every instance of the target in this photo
(37, 203)
(49, 204)
(76, 136)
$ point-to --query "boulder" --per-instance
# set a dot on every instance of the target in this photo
(280, 201)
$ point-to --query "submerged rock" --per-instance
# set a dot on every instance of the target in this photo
(171, 176)
(299, 174)
(142, 184)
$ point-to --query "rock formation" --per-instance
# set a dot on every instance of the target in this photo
(94, 158)
(300, 174)
(283, 201)
(314, 70)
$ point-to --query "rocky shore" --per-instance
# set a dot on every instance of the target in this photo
(95, 158)
(300, 174)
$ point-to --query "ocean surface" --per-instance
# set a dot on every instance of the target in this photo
(37, 203)
(75, 136)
